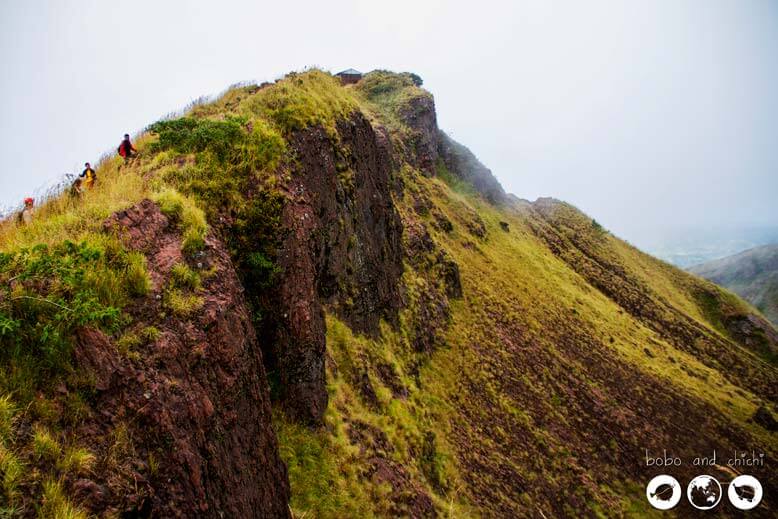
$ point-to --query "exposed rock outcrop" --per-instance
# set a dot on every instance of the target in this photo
(418, 113)
(341, 248)
(428, 145)
(182, 426)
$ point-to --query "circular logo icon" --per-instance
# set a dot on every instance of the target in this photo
(745, 492)
(704, 492)
(663, 492)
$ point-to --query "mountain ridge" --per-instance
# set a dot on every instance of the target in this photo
(415, 341)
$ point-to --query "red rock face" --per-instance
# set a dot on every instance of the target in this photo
(342, 247)
(195, 400)
(140, 226)
(419, 115)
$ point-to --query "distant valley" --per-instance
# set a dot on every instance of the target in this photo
(752, 274)
(687, 247)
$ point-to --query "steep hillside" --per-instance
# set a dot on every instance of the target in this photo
(304, 299)
(751, 274)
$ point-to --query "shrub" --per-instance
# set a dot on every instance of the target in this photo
(220, 175)
(56, 290)
(191, 135)
(254, 239)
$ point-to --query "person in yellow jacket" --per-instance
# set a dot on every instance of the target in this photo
(89, 176)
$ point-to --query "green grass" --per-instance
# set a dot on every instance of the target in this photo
(54, 291)
(181, 303)
(184, 212)
(312, 98)
(384, 95)
(127, 343)
(390, 91)
(181, 276)
(7, 412)
(56, 505)
(323, 483)
(137, 278)
(325, 466)
(76, 460)
(149, 334)
(11, 473)
(44, 444)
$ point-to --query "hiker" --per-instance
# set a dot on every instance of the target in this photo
(89, 176)
(76, 189)
(25, 217)
(126, 148)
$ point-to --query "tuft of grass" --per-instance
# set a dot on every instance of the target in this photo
(181, 303)
(76, 461)
(137, 278)
(149, 334)
(56, 505)
(127, 344)
(44, 444)
(181, 276)
(11, 471)
(7, 412)
(76, 408)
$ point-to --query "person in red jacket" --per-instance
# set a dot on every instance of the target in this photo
(126, 149)
(25, 217)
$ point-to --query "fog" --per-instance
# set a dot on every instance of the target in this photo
(647, 115)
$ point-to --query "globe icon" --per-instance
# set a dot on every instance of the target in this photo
(704, 492)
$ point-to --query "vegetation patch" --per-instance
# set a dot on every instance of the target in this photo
(49, 292)
(300, 100)
(191, 219)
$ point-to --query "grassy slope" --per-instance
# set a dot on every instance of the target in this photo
(518, 296)
(527, 320)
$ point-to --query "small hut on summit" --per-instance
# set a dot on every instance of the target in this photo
(349, 76)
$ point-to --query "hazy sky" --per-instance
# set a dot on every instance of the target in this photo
(644, 114)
